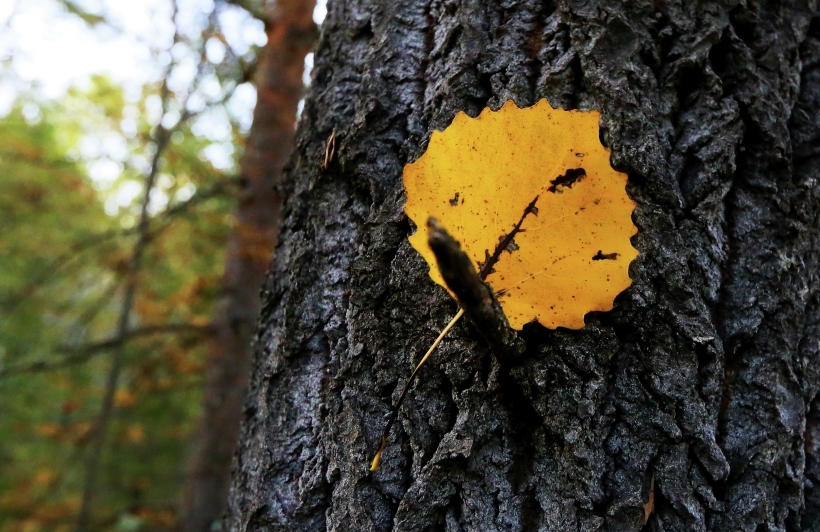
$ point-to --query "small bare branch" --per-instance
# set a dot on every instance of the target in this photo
(253, 9)
(83, 353)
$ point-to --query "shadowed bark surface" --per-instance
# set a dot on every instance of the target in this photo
(291, 34)
(701, 377)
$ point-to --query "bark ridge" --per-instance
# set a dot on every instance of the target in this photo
(701, 378)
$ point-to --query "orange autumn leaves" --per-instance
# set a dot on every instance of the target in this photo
(477, 178)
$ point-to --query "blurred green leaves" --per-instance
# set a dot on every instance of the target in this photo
(72, 172)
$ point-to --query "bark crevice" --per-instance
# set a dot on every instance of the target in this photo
(700, 377)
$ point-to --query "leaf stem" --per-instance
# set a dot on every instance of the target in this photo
(374, 465)
(475, 289)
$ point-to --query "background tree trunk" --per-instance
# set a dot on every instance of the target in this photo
(702, 377)
(291, 35)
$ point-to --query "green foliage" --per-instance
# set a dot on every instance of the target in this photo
(68, 219)
(73, 173)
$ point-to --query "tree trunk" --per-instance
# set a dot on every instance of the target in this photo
(291, 34)
(695, 392)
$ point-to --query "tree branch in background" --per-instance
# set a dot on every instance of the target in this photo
(84, 353)
(73, 254)
(92, 19)
(64, 260)
(161, 138)
(254, 9)
(94, 310)
(291, 34)
(92, 276)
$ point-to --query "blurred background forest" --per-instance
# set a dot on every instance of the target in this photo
(138, 211)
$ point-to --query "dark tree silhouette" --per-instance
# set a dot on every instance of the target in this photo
(291, 34)
(697, 391)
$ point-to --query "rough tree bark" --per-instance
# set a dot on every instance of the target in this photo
(701, 382)
(291, 35)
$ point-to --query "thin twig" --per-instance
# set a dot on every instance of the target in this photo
(161, 222)
(73, 253)
(99, 433)
(473, 295)
(374, 464)
(330, 150)
(83, 353)
(99, 305)
(161, 138)
(475, 299)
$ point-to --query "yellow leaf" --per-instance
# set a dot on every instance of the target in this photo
(49, 430)
(125, 398)
(477, 179)
(135, 433)
(44, 477)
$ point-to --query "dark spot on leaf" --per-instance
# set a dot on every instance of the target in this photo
(572, 176)
(454, 201)
(605, 256)
(511, 245)
(487, 259)
(504, 242)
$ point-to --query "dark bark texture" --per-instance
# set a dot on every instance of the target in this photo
(703, 377)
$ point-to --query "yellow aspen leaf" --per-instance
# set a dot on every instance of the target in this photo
(478, 177)
(532, 198)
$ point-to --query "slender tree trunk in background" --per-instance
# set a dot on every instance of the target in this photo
(291, 35)
(700, 383)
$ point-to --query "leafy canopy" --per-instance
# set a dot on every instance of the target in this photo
(62, 268)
